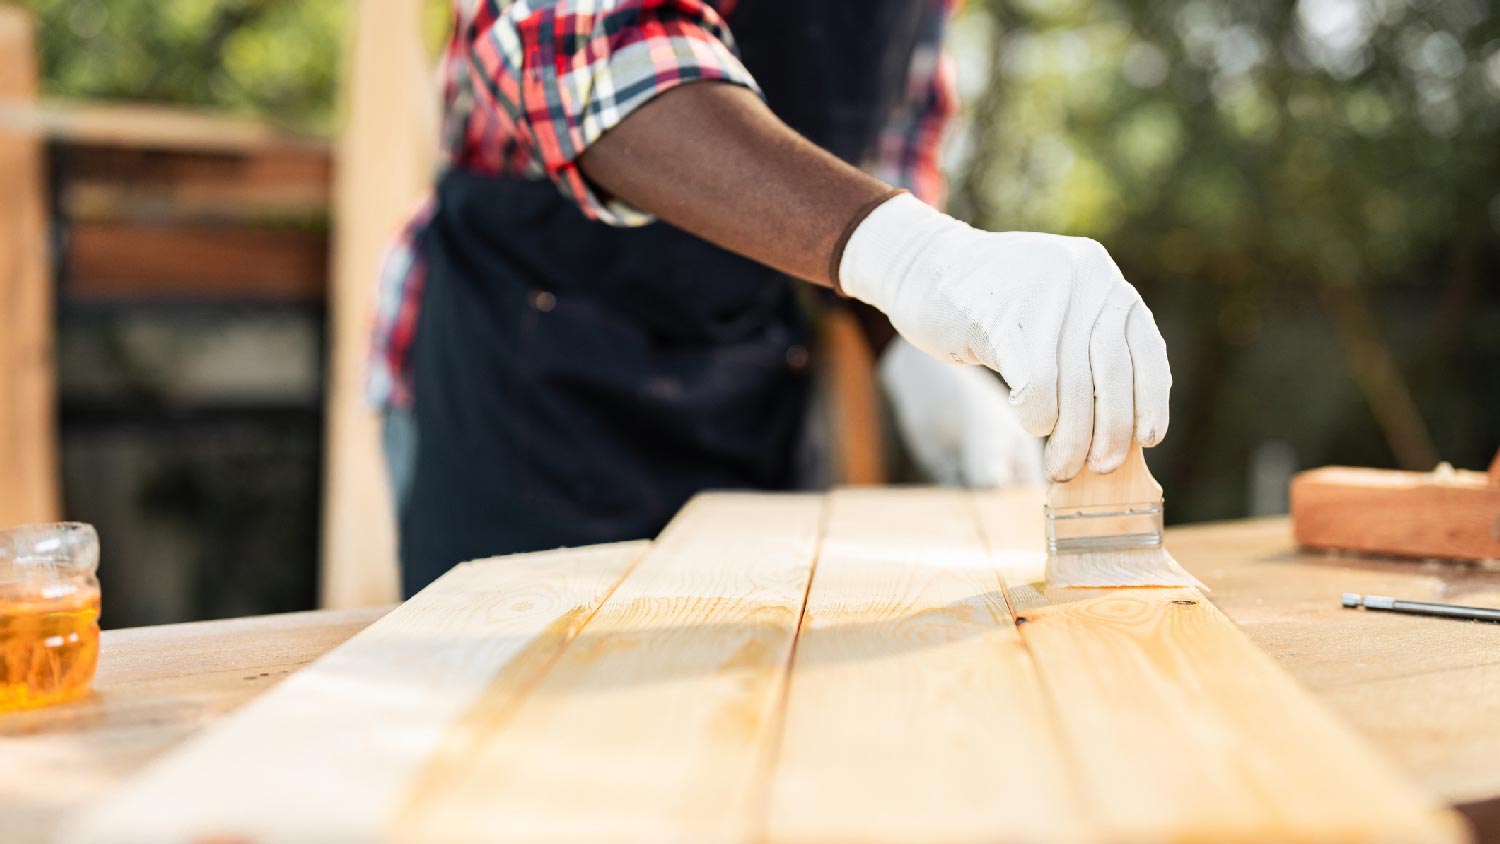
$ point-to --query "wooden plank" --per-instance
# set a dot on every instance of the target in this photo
(329, 753)
(195, 261)
(656, 723)
(156, 687)
(1014, 527)
(117, 183)
(914, 712)
(385, 155)
(28, 428)
(1445, 513)
(1178, 728)
(1426, 690)
(144, 126)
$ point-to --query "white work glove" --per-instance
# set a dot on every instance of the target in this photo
(956, 421)
(1085, 362)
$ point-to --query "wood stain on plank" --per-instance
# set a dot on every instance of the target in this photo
(653, 723)
(331, 753)
(1178, 728)
(904, 716)
(494, 706)
(913, 710)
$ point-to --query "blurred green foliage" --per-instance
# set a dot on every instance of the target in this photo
(1307, 194)
(278, 59)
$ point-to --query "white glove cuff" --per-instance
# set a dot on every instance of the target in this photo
(883, 247)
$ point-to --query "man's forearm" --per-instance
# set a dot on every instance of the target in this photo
(1086, 365)
(713, 160)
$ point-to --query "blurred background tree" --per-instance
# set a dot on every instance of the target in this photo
(1307, 194)
(275, 58)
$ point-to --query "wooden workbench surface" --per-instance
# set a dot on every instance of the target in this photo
(1425, 691)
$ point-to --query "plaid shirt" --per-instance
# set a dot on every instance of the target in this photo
(529, 84)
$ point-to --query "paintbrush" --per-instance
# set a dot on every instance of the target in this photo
(1106, 530)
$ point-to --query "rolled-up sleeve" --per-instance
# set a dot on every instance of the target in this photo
(566, 72)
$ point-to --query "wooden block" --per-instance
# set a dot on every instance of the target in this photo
(329, 754)
(1177, 728)
(1414, 514)
(914, 713)
(655, 724)
(28, 427)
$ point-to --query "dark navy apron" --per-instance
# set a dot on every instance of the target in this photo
(576, 382)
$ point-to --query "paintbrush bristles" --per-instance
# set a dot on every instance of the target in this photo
(1105, 530)
(1132, 567)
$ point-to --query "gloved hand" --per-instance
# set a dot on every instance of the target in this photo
(956, 421)
(1053, 315)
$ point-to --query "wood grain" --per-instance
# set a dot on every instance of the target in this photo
(1426, 691)
(1011, 521)
(913, 713)
(386, 152)
(28, 428)
(329, 753)
(1177, 728)
(1414, 514)
(654, 725)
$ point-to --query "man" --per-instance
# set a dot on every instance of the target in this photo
(595, 317)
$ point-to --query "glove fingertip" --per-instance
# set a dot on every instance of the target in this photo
(1151, 429)
(1062, 459)
(1035, 409)
(1107, 460)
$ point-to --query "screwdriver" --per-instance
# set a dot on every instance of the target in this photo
(1380, 602)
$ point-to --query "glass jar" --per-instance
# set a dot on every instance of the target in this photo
(49, 613)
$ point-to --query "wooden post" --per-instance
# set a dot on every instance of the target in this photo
(28, 426)
(857, 439)
(383, 168)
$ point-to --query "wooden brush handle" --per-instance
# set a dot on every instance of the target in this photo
(1130, 483)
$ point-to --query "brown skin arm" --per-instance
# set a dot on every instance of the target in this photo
(711, 158)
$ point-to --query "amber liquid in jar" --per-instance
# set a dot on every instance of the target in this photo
(49, 644)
